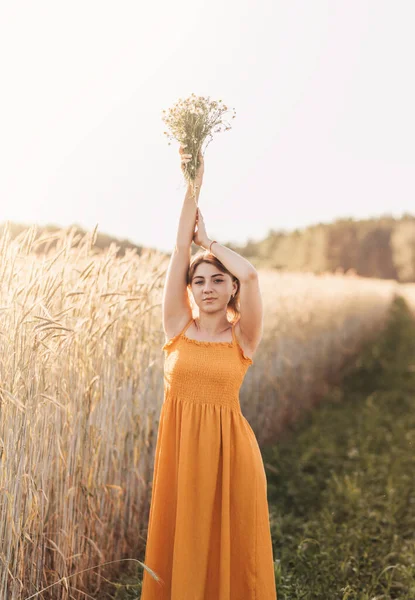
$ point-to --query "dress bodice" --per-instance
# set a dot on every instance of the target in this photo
(202, 371)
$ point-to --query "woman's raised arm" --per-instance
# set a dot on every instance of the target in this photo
(187, 220)
(176, 310)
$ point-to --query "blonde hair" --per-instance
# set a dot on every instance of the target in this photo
(205, 256)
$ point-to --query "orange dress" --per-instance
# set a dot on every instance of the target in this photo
(208, 535)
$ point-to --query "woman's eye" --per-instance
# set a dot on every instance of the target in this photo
(216, 281)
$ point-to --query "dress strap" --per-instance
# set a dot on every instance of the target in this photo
(172, 340)
(233, 334)
(185, 327)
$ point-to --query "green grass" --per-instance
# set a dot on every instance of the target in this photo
(341, 484)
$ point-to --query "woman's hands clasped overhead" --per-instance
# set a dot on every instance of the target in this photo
(200, 237)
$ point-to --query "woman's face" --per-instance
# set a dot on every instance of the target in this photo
(209, 282)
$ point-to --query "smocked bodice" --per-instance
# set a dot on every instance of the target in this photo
(199, 371)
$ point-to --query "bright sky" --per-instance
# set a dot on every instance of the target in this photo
(323, 93)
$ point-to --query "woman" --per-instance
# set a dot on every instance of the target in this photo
(208, 535)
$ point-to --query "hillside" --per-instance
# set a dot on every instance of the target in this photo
(383, 248)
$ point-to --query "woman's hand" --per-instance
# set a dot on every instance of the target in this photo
(200, 237)
(185, 158)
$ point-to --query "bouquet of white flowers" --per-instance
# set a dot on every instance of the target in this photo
(190, 122)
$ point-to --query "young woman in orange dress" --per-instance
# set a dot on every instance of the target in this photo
(209, 534)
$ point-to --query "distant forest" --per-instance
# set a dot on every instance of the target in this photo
(382, 247)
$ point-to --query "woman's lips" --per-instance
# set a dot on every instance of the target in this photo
(209, 300)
